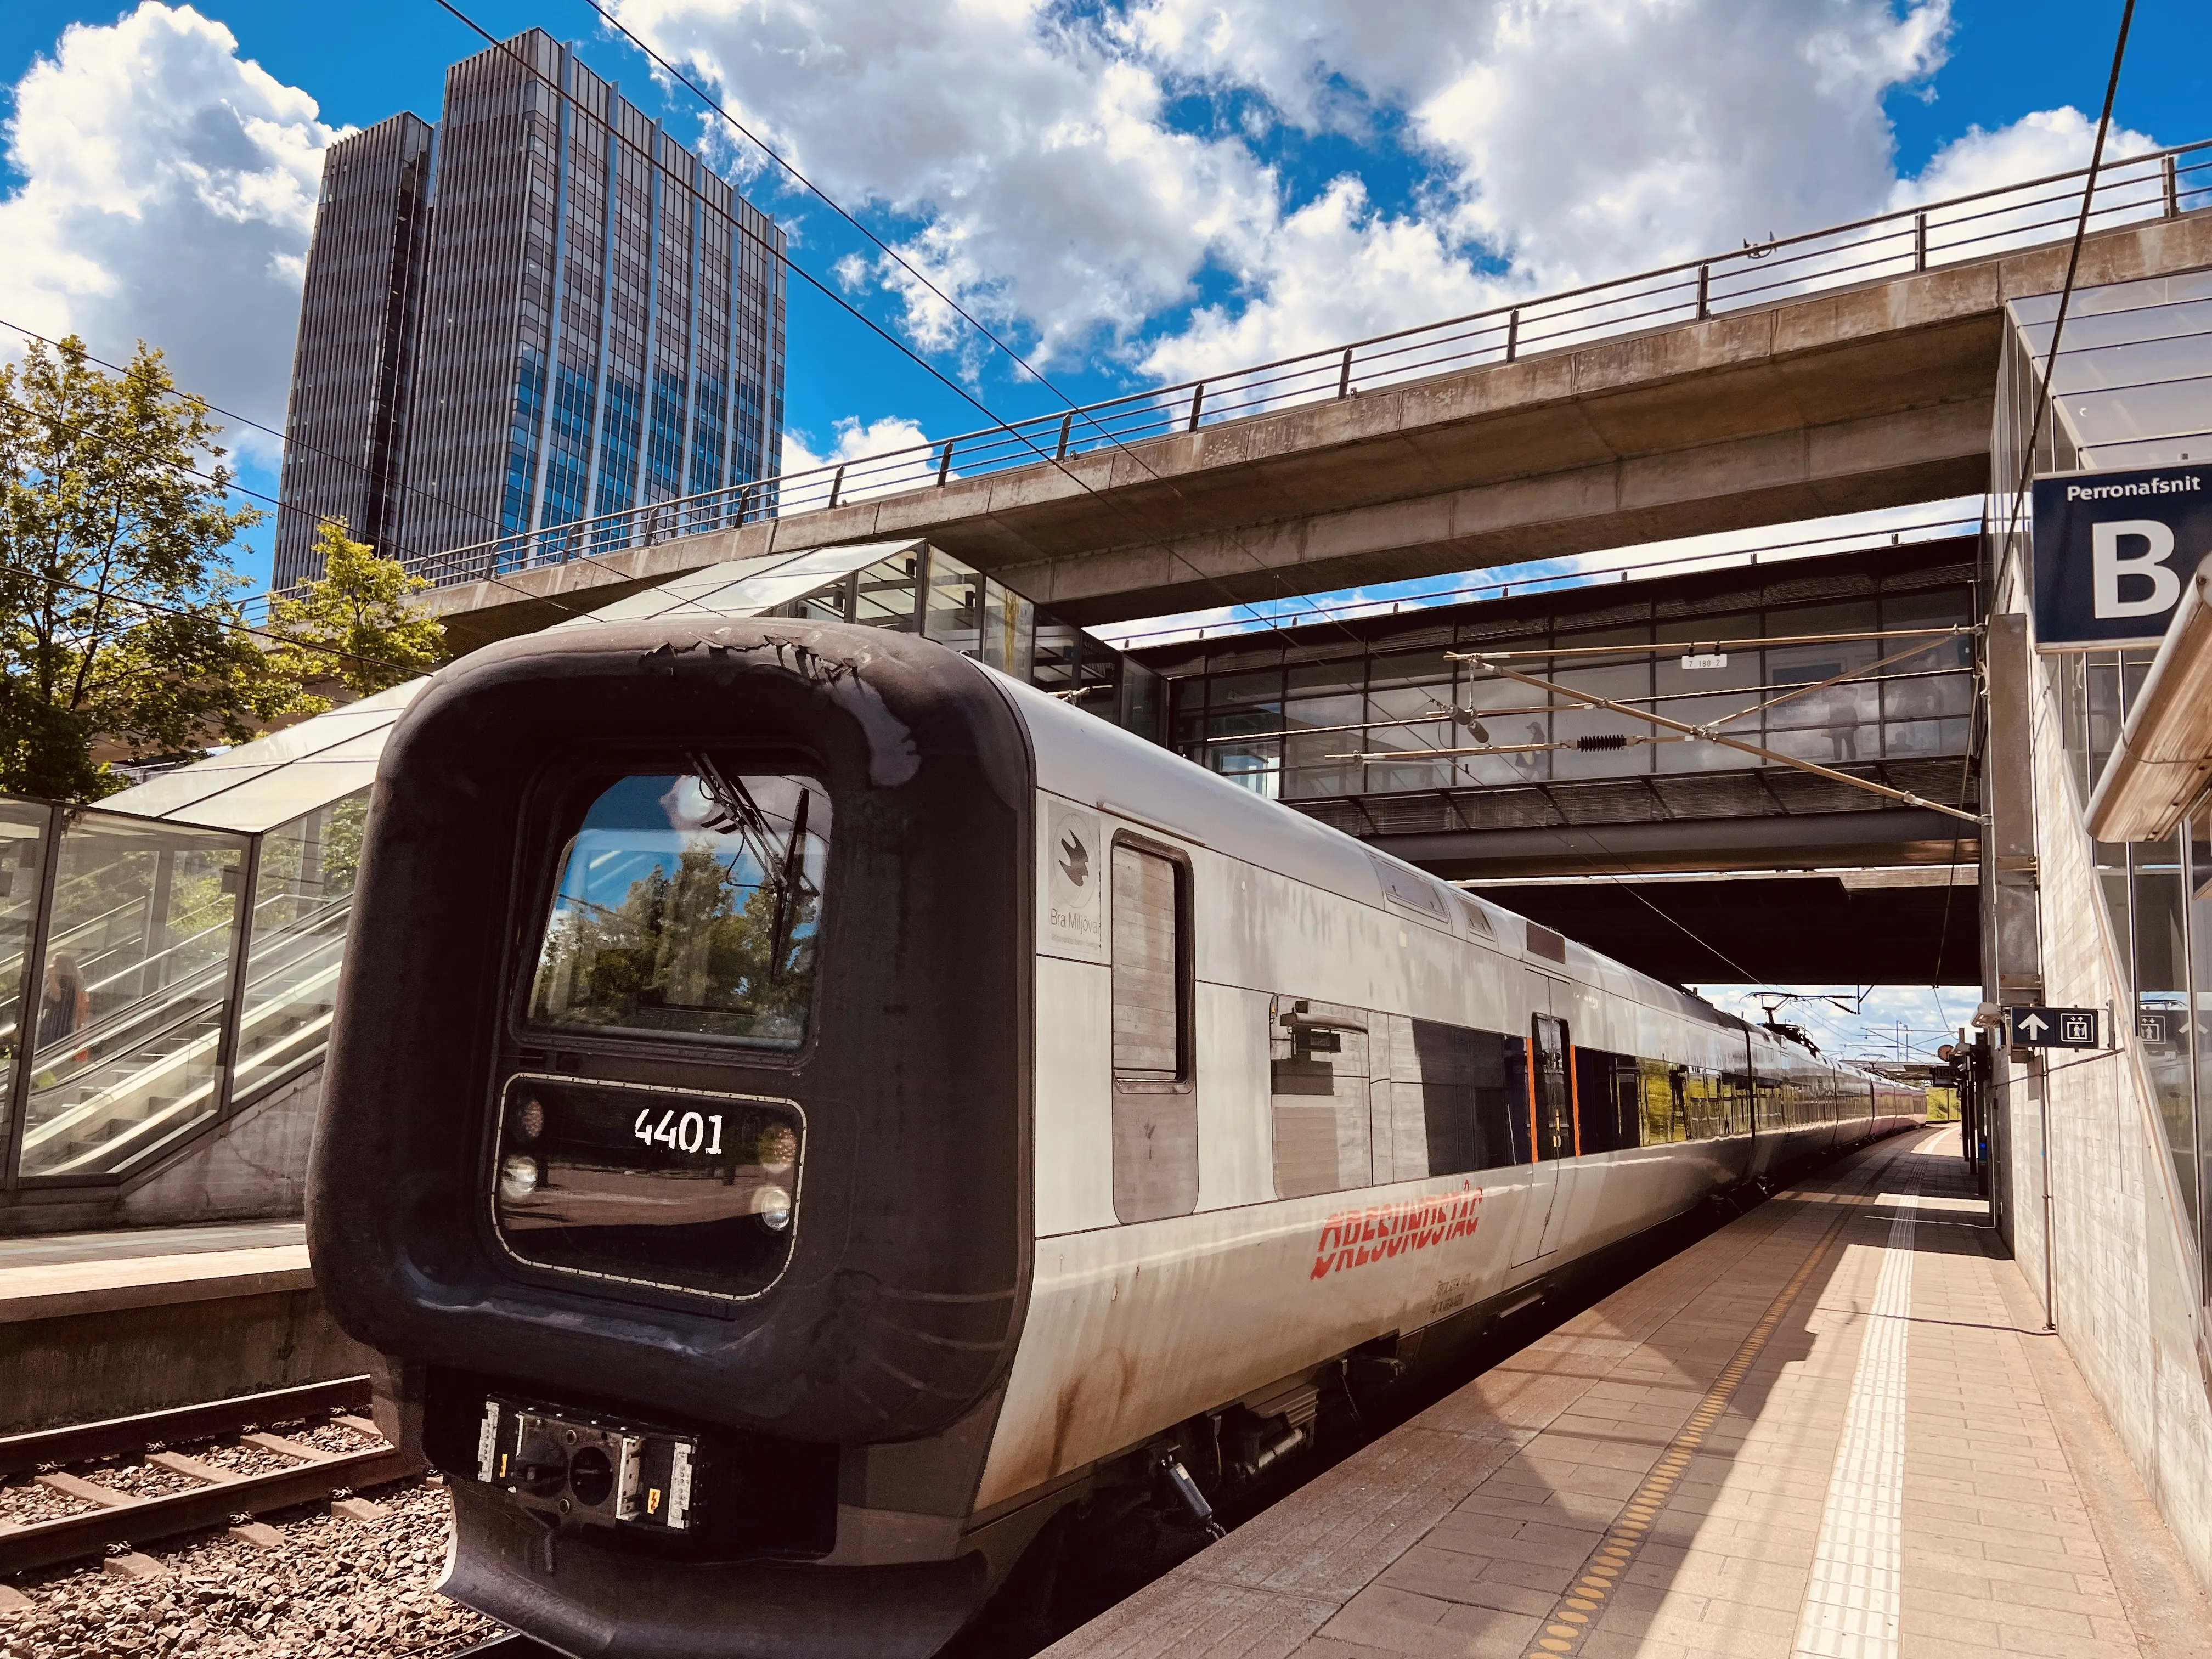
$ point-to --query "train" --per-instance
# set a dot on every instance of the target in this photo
(810, 1120)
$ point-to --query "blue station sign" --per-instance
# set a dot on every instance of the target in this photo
(2114, 552)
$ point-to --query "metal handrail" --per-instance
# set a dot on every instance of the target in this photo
(2153, 185)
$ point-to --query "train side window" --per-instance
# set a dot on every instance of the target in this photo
(1665, 1091)
(1155, 1108)
(1707, 1106)
(1554, 1097)
(1323, 1096)
(1361, 1098)
(1736, 1092)
(1609, 1113)
(1464, 1082)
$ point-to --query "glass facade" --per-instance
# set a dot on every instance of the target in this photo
(359, 307)
(925, 590)
(144, 997)
(1374, 720)
(595, 321)
(2132, 388)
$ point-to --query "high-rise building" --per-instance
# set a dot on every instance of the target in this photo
(348, 433)
(600, 325)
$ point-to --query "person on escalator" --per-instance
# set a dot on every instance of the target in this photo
(64, 1004)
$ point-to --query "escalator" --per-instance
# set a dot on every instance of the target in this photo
(118, 1091)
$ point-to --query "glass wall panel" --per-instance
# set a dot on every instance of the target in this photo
(953, 615)
(883, 593)
(1518, 717)
(2161, 1010)
(1255, 764)
(1701, 696)
(1627, 682)
(2198, 835)
(127, 1045)
(1424, 767)
(23, 830)
(302, 903)
(1322, 715)
(1009, 639)
(1838, 724)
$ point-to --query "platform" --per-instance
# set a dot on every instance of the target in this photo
(99, 1325)
(1835, 1427)
(66, 1273)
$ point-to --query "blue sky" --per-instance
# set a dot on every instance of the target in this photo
(1132, 190)
(1243, 178)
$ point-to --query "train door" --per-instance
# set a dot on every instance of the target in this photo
(1551, 1136)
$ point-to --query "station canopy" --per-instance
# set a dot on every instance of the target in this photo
(288, 774)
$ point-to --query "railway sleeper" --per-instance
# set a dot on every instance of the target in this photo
(224, 1497)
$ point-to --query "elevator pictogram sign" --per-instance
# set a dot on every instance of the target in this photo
(2051, 1028)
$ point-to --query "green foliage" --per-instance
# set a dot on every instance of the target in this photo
(352, 623)
(119, 615)
(683, 952)
(343, 828)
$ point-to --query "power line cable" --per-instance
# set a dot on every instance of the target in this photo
(1115, 502)
(2073, 268)
(277, 502)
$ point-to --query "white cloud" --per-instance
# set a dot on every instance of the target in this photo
(1035, 160)
(1892, 1023)
(881, 458)
(1585, 138)
(1047, 185)
(168, 194)
(1335, 269)
(2035, 146)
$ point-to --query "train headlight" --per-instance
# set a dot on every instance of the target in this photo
(636, 1184)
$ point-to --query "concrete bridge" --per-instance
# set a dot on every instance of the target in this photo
(1875, 396)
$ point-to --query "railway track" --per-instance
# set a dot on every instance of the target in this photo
(124, 1483)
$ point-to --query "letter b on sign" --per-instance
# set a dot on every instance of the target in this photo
(2136, 550)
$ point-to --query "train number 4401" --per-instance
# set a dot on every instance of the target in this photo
(694, 1132)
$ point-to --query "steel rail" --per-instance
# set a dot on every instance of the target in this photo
(221, 1497)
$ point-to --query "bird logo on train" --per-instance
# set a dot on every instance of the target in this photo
(1075, 859)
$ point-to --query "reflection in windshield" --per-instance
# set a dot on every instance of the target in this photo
(689, 903)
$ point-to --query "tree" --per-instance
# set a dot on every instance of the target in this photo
(120, 622)
(352, 623)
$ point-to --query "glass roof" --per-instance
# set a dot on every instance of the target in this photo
(745, 588)
(2133, 368)
(276, 779)
(273, 779)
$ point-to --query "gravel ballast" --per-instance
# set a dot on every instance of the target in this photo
(334, 1588)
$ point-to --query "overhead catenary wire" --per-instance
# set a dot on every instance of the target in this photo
(1592, 700)
(285, 442)
(1114, 501)
(1369, 610)
(2073, 268)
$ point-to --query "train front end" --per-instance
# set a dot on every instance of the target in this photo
(674, 1135)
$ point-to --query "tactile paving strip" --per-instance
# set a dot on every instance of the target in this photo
(1856, 1596)
(1574, 1614)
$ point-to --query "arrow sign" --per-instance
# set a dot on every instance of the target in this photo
(2051, 1028)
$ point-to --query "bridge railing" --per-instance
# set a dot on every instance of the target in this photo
(2162, 184)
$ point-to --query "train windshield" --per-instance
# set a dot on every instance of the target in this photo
(689, 905)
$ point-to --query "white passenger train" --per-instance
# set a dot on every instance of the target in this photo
(859, 1108)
